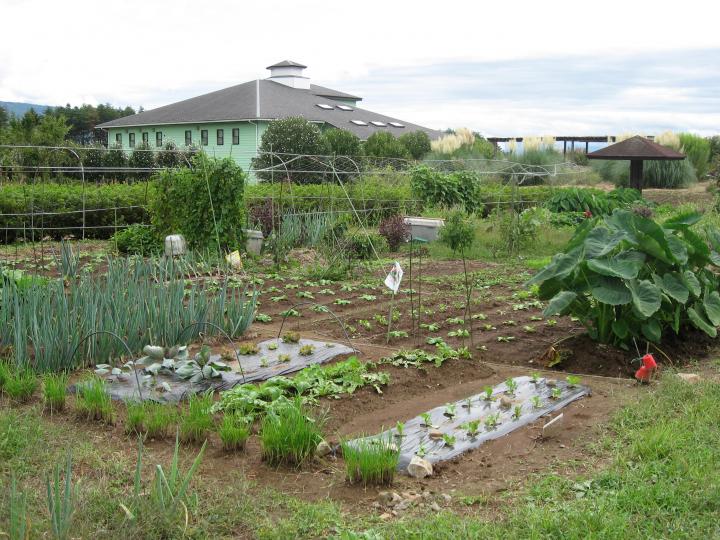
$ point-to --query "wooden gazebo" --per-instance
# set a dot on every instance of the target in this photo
(636, 149)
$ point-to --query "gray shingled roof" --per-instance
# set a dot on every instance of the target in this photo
(287, 63)
(276, 101)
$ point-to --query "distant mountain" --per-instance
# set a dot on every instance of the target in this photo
(18, 109)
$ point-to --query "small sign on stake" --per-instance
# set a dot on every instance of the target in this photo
(393, 279)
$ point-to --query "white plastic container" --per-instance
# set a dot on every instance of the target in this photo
(427, 229)
(175, 245)
(254, 241)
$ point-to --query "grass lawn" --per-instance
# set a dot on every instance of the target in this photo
(658, 477)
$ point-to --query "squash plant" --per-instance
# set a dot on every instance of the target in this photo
(626, 276)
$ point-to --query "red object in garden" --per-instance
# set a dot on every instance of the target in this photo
(588, 214)
(649, 365)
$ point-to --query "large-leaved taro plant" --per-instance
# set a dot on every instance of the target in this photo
(626, 276)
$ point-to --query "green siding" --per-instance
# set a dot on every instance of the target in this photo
(250, 134)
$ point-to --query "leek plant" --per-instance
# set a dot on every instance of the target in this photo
(141, 300)
(371, 460)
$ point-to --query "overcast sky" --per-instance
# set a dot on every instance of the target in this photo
(502, 68)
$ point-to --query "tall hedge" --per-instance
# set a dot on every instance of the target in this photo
(203, 203)
(58, 209)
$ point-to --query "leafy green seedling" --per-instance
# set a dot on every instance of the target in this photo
(455, 320)
(510, 323)
(426, 419)
(529, 328)
(264, 362)
(511, 385)
(263, 318)
(278, 298)
(305, 294)
(517, 412)
(505, 339)
(430, 327)
(291, 337)
(290, 313)
(366, 324)
(307, 350)
(421, 452)
(556, 393)
(342, 302)
(368, 297)
(247, 348)
(328, 292)
(473, 427)
(400, 429)
(535, 400)
(536, 318)
(450, 410)
(448, 439)
(488, 327)
(488, 391)
(468, 404)
(572, 380)
(320, 309)
(551, 322)
(395, 334)
(272, 346)
(535, 378)
(479, 317)
(462, 332)
(492, 420)
(284, 358)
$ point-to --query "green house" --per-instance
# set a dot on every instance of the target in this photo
(230, 122)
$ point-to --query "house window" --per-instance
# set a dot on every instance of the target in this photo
(158, 138)
(236, 135)
(118, 139)
(204, 137)
(188, 137)
(145, 137)
(220, 137)
(131, 140)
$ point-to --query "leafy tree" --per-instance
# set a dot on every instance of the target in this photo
(282, 141)
(204, 203)
(384, 145)
(142, 158)
(83, 119)
(417, 143)
(169, 156)
(115, 158)
(342, 142)
(4, 118)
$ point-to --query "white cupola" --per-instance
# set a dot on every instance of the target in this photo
(290, 74)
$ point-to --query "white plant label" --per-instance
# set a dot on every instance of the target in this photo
(393, 279)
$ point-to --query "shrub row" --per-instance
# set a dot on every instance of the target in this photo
(55, 200)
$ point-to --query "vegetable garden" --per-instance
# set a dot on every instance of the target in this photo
(303, 371)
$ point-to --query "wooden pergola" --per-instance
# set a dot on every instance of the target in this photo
(636, 150)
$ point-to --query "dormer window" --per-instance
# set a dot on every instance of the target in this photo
(359, 122)
(378, 123)
(397, 124)
(344, 108)
(325, 106)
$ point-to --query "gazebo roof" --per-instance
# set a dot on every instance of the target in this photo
(636, 147)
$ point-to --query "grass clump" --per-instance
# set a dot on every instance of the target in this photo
(18, 432)
(288, 435)
(20, 385)
(196, 420)
(234, 431)
(150, 419)
(55, 391)
(93, 402)
(371, 461)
